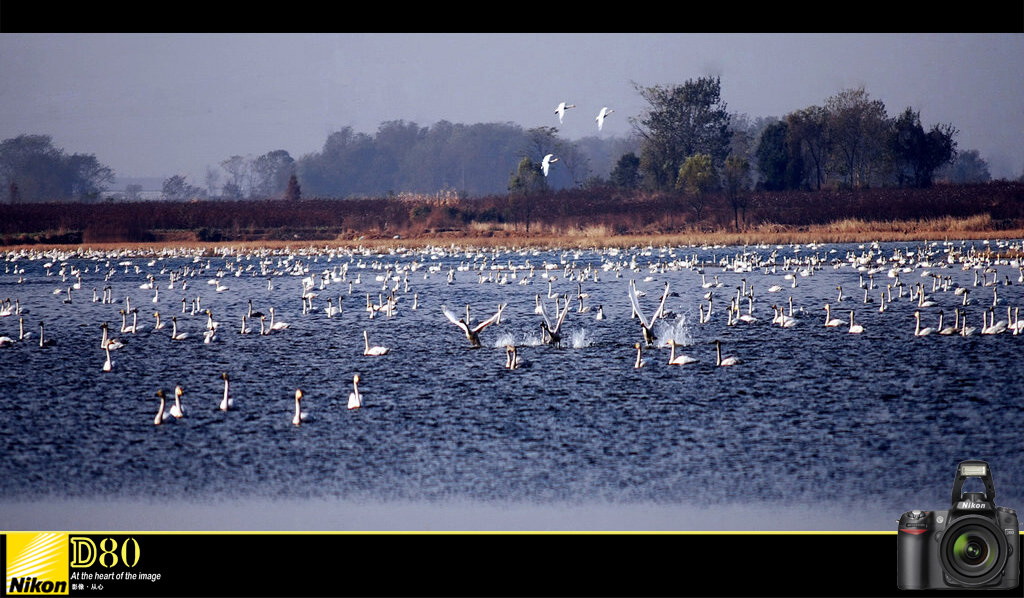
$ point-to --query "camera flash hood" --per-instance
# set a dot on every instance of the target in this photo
(974, 469)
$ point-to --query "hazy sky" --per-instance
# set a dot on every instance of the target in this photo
(163, 104)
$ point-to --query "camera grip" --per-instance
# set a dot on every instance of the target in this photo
(912, 558)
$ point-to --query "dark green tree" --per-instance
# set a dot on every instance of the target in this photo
(967, 168)
(42, 172)
(682, 120)
(293, 192)
(524, 186)
(808, 135)
(238, 169)
(773, 156)
(271, 173)
(178, 188)
(918, 154)
(697, 178)
(626, 174)
(735, 183)
(857, 129)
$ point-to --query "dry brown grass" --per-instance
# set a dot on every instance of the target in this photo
(485, 235)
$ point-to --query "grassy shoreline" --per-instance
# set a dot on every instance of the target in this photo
(848, 231)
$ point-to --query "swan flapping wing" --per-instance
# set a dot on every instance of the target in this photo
(453, 318)
(661, 307)
(489, 320)
(636, 304)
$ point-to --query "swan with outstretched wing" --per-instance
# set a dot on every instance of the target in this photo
(472, 332)
(647, 325)
(552, 333)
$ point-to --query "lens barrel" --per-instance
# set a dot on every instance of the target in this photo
(973, 551)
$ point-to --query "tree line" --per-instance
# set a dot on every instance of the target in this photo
(685, 141)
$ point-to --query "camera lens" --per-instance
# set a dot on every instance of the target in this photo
(971, 550)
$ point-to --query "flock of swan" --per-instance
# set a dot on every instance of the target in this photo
(971, 282)
(560, 110)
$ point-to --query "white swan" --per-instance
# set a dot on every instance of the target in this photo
(855, 328)
(45, 342)
(374, 350)
(639, 363)
(125, 328)
(22, 335)
(177, 411)
(513, 360)
(647, 326)
(829, 320)
(948, 330)
(603, 114)
(175, 335)
(355, 400)
(226, 403)
(277, 325)
(918, 331)
(106, 341)
(560, 110)
(546, 163)
(552, 333)
(161, 414)
(682, 359)
(472, 333)
(300, 415)
(108, 364)
(723, 361)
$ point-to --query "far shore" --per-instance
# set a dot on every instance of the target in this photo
(845, 232)
(568, 241)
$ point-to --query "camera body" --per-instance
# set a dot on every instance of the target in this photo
(973, 544)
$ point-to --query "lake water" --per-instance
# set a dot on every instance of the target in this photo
(816, 428)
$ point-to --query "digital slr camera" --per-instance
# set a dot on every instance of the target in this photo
(974, 544)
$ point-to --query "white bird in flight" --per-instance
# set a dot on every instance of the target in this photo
(601, 116)
(560, 110)
(546, 163)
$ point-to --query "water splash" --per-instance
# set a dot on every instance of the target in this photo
(677, 330)
(580, 339)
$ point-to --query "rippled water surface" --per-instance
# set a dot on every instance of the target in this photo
(812, 415)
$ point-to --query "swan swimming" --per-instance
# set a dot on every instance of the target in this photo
(723, 361)
(175, 335)
(373, 350)
(513, 360)
(226, 402)
(177, 411)
(161, 414)
(300, 415)
(355, 400)
(674, 359)
(108, 364)
(854, 327)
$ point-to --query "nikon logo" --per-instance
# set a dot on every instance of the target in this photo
(32, 585)
(972, 505)
(37, 564)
